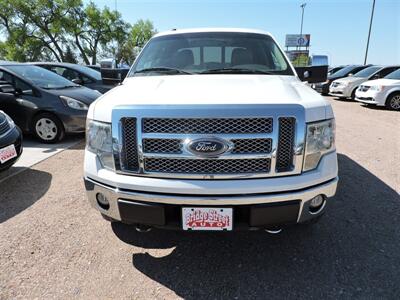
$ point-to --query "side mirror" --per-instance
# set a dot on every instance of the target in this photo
(376, 76)
(7, 89)
(77, 81)
(312, 74)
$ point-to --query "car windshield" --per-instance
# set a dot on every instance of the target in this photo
(41, 77)
(367, 72)
(211, 53)
(88, 71)
(343, 72)
(393, 75)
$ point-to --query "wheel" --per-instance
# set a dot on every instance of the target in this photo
(353, 94)
(393, 102)
(48, 128)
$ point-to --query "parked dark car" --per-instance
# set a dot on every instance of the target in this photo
(43, 103)
(333, 70)
(323, 87)
(78, 74)
(10, 142)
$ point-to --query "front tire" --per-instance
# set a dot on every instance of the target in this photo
(47, 128)
(393, 102)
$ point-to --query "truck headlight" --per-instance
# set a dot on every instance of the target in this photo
(320, 139)
(99, 141)
(73, 103)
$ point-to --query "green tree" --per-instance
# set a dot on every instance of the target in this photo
(140, 33)
(94, 30)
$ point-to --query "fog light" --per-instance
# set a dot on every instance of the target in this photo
(102, 201)
(316, 203)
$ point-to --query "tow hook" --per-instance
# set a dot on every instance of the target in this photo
(142, 228)
(273, 231)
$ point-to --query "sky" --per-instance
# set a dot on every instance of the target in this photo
(338, 28)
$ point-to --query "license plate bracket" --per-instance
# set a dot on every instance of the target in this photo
(207, 218)
(7, 153)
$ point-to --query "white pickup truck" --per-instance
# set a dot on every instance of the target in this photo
(212, 129)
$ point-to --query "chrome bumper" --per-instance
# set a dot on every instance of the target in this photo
(113, 194)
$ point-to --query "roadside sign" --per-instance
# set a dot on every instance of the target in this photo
(299, 58)
(297, 40)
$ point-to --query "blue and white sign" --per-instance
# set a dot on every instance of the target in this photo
(297, 40)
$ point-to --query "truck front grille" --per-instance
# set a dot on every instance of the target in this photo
(207, 126)
(4, 127)
(207, 166)
(260, 146)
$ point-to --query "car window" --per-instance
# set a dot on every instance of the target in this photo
(4, 76)
(365, 73)
(86, 79)
(394, 75)
(21, 85)
(386, 71)
(65, 72)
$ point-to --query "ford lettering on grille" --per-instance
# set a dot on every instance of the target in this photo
(207, 147)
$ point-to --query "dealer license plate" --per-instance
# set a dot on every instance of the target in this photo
(7, 153)
(207, 218)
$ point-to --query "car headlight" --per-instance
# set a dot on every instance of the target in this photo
(99, 141)
(320, 139)
(73, 103)
(377, 88)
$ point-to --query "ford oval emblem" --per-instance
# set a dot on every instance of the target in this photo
(207, 147)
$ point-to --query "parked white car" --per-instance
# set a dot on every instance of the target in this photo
(381, 92)
(346, 87)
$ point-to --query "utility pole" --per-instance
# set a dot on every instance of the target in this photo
(369, 32)
(302, 17)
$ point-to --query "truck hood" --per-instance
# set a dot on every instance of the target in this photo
(212, 89)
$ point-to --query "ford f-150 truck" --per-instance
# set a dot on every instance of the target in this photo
(212, 129)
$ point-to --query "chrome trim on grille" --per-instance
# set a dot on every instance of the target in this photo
(272, 111)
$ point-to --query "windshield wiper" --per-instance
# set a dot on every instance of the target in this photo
(235, 71)
(163, 69)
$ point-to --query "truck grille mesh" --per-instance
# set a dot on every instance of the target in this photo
(162, 146)
(252, 146)
(284, 160)
(131, 159)
(207, 166)
(207, 126)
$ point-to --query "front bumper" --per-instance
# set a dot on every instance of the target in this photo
(74, 121)
(14, 137)
(340, 91)
(250, 211)
(371, 97)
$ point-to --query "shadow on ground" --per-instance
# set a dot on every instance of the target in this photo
(16, 195)
(352, 252)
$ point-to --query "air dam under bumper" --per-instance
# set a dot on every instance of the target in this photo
(254, 210)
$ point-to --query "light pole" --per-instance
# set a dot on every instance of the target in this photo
(369, 32)
(302, 16)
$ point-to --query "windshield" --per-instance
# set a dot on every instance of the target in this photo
(41, 77)
(367, 72)
(219, 52)
(393, 75)
(88, 71)
(343, 72)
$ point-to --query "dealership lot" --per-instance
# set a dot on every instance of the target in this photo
(58, 247)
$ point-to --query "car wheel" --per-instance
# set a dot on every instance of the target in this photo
(353, 94)
(393, 102)
(48, 128)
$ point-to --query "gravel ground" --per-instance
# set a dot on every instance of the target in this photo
(53, 245)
